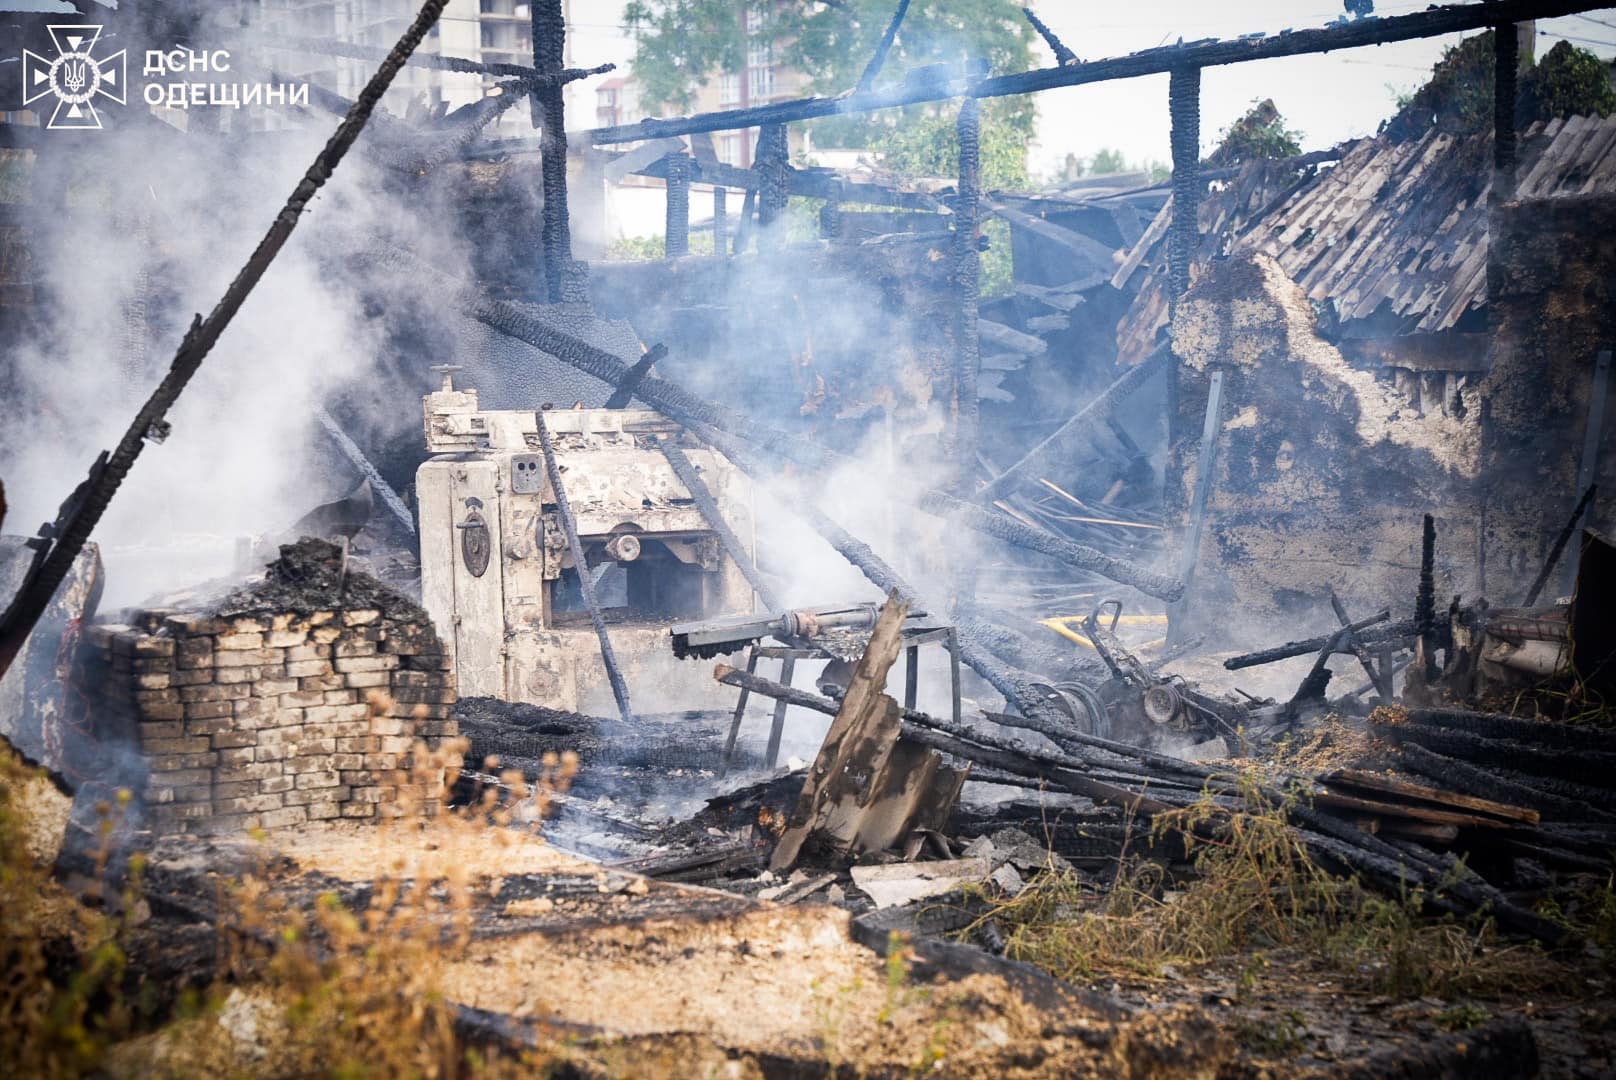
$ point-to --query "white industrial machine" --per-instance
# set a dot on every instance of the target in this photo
(498, 579)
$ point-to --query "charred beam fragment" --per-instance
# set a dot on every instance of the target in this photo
(1382, 680)
(720, 220)
(1559, 546)
(1183, 234)
(774, 175)
(631, 382)
(357, 458)
(678, 216)
(1425, 599)
(1063, 55)
(1313, 644)
(967, 279)
(586, 584)
(1506, 63)
(879, 58)
(549, 114)
(691, 479)
(61, 542)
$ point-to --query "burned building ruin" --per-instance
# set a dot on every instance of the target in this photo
(1205, 615)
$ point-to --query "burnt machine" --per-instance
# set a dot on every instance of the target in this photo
(500, 583)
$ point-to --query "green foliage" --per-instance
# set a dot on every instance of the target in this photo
(1458, 98)
(929, 146)
(651, 248)
(1260, 135)
(1568, 81)
(682, 44)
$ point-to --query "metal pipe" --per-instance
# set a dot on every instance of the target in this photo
(586, 584)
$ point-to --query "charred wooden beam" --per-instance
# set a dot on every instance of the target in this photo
(967, 280)
(1382, 680)
(360, 461)
(624, 393)
(1425, 600)
(586, 584)
(1506, 64)
(879, 57)
(677, 222)
(61, 542)
(774, 174)
(1306, 645)
(691, 479)
(1559, 546)
(720, 219)
(1451, 19)
(549, 113)
(1183, 234)
(1063, 55)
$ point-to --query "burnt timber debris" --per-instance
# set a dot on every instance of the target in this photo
(1342, 347)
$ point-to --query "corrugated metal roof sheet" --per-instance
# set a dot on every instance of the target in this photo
(1394, 227)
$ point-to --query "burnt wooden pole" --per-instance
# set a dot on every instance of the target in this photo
(1184, 108)
(586, 584)
(60, 542)
(1506, 64)
(549, 114)
(774, 180)
(720, 219)
(678, 220)
(967, 294)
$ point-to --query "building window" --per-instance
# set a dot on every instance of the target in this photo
(729, 89)
(729, 149)
(754, 20)
(760, 53)
(760, 81)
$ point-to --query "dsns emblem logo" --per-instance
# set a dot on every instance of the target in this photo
(74, 76)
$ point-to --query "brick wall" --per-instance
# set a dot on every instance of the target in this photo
(269, 719)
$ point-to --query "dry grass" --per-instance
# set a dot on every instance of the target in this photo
(1255, 891)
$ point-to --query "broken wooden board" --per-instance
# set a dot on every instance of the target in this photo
(869, 787)
(1357, 779)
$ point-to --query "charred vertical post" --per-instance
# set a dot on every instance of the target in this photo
(967, 290)
(678, 220)
(1506, 63)
(774, 175)
(1184, 107)
(1425, 599)
(549, 113)
(743, 228)
(586, 584)
(720, 219)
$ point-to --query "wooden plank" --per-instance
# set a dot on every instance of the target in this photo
(1391, 785)
(1157, 230)
(862, 735)
(1389, 811)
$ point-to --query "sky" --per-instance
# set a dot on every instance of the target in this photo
(1328, 98)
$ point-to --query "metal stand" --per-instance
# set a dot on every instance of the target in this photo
(915, 634)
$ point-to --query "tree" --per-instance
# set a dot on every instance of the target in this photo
(1458, 98)
(684, 43)
(1260, 134)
